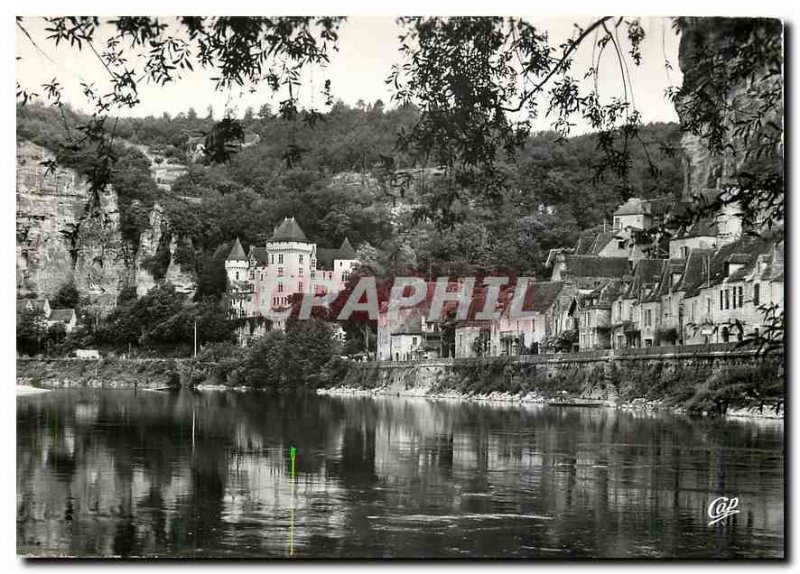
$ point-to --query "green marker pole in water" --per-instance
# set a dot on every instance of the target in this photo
(292, 456)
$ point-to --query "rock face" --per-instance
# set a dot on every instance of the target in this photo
(720, 38)
(66, 233)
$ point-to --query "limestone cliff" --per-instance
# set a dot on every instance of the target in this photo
(714, 43)
(67, 233)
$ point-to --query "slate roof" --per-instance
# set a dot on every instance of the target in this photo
(541, 295)
(237, 252)
(326, 256)
(594, 266)
(747, 250)
(346, 250)
(259, 254)
(664, 284)
(289, 230)
(695, 270)
(593, 240)
(602, 297)
(646, 272)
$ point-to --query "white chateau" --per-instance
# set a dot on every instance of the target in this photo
(262, 282)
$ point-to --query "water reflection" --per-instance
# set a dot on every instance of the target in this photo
(113, 473)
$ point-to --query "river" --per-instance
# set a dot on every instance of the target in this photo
(119, 473)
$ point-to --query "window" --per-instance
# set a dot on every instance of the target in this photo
(301, 258)
(685, 251)
(727, 299)
(300, 286)
(648, 317)
(313, 274)
(280, 271)
(721, 300)
(413, 340)
(708, 305)
(272, 258)
(756, 294)
(340, 263)
(280, 287)
(741, 295)
(621, 244)
(734, 297)
(300, 271)
(617, 223)
(237, 275)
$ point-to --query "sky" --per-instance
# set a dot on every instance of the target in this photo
(368, 46)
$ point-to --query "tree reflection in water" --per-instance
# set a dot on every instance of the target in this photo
(114, 473)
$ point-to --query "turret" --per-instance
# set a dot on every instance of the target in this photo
(236, 265)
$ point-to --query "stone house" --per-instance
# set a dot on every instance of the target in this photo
(468, 333)
(416, 338)
(727, 303)
(66, 317)
(594, 316)
(626, 318)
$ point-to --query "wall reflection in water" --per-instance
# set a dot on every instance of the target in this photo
(114, 473)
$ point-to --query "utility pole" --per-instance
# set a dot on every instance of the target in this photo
(195, 338)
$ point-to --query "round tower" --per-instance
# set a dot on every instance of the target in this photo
(236, 264)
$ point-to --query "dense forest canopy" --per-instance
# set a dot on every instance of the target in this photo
(336, 188)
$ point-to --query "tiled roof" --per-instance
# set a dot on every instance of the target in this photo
(346, 250)
(326, 256)
(695, 270)
(259, 254)
(62, 315)
(237, 252)
(593, 240)
(602, 297)
(745, 250)
(541, 295)
(646, 272)
(594, 266)
(289, 230)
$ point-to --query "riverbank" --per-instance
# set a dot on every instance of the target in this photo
(734, 384)
(701, 381)
(110, 373)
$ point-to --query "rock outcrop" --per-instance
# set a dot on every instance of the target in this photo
(67, 233)
(720, 40)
